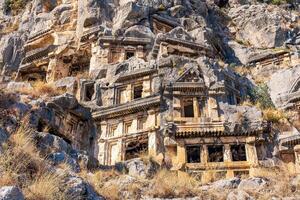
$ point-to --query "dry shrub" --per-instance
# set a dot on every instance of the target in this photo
(98, 180)
(168, 184)
(40, 88)
(20, 160)
(274, 115)
(279, 181)
(110, 192)
(242, 70)
(100, 177)
(45, 187)
(135, 190)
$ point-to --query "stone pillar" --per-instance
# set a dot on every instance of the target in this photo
(251, 154)
(213, 108)
(101, 152)
(196, 107)
(181, 154)
(204, 154)
(128, 93)
(140, 52)
(152, 143)
(146, 87)
(227, 153)
(297, 158)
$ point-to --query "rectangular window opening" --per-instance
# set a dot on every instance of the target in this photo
(238, 152)
(137, 91)
(129, 54)
(188, 108)
(136, 149)
(215, 153)
(89, 92)
(193, 154)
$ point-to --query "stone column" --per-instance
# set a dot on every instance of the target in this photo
(297, 158)
(213, 108)
(227, 153)
(204, 154)
(181, 154)
(196, 107)
(152, 143)
(251, 154)
(146, 87)
(140, 52)
(228, 158)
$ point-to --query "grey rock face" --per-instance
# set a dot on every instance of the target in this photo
(11, 52)
(11, 193)
(93, 13)
(242, 118)
(129, 15)
(260, 26)
(279, 92)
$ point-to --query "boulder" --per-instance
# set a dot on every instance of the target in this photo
(77, 188)
(239, 195)
(65, 101)
(11, 193)
(49, 142)
(252, 184)
(137, 167)
(242, 118)
(226, 184)
(15, 86)
(68, 83)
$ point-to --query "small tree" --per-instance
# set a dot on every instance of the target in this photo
(261, 96)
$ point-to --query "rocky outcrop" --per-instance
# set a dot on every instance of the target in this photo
(11, 193)
(244, 119)
(282, 93)
(261, 26)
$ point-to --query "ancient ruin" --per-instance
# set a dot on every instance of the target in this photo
(201, 89)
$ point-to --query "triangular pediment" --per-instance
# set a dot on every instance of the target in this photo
(192, 74)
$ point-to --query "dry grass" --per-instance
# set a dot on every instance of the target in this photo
(40, 88)
(98, 180)
(100, 177)
(242, 70)
(22, 165)
(279, 181)
(45, 187)
(167, 184)
(10, 28)
(83, 75)
(110, 192)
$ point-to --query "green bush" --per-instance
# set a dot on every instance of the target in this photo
(261, 96)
